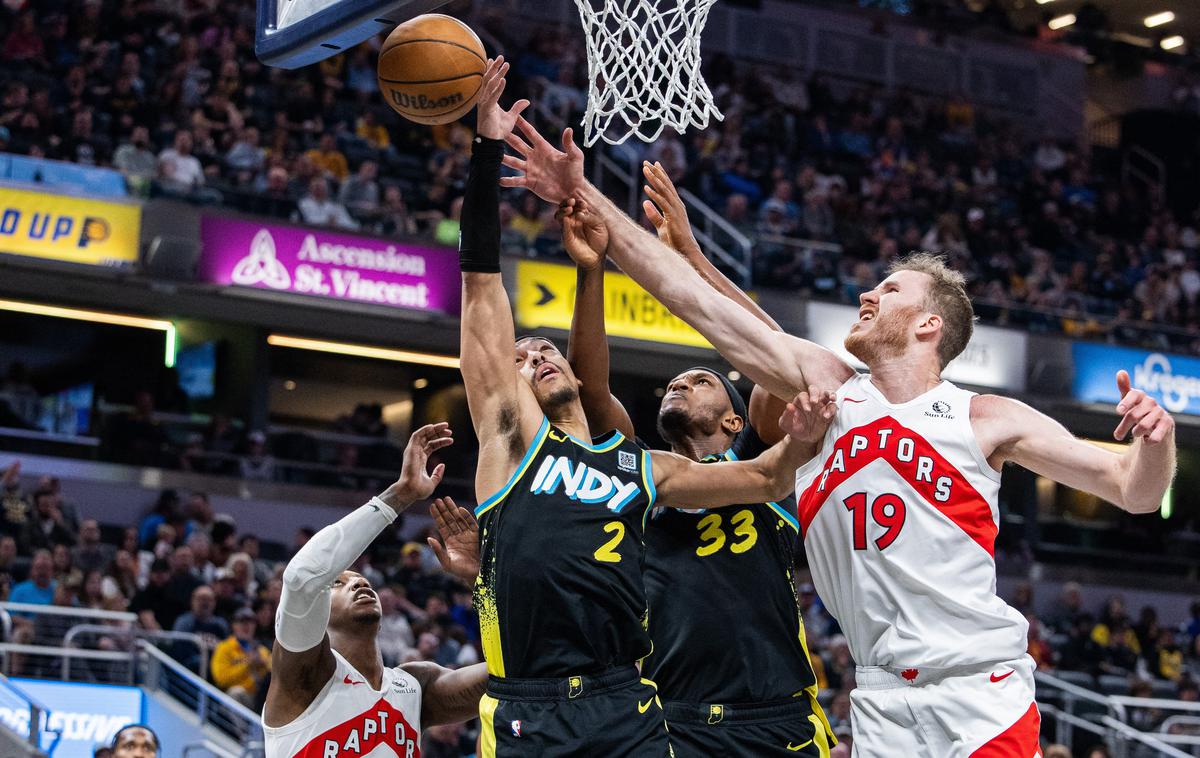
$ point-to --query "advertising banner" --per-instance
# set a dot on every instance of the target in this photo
(546, 298)
(67, 228)
(994, 357)
(328, 264)
(1172, 380)
(83, 715)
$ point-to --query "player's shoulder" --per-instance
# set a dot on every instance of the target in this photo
(996, 407)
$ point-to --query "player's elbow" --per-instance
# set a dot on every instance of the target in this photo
(1142, 503)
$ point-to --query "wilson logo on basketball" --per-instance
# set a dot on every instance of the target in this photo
(423, 103)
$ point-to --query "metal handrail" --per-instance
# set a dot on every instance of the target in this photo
(1172, 721)
(1069, 694)
(63, 610)
(208, 693)
(627, 178)
(144, 634)
(36, 713)
(1125, 731)
(39, 436)
(711, 219)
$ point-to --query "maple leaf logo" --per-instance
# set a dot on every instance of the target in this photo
(909, 674)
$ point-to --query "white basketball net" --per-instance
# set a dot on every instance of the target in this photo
(644, 68)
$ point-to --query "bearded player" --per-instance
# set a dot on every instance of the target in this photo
(330, 693)
(899, 508)
(560, 596)
(729, 651)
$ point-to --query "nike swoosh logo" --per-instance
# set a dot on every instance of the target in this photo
(794, 748)
(374, 507)
(348, 680)
(643, 707)
(852, 400)
(1002, 677)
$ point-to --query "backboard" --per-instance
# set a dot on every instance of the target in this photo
(295, 33)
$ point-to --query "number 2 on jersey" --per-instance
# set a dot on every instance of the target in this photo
(607, 553)
(887, 511)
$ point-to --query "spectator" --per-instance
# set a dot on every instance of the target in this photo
(13, 569)
(275, 200)
(121, 578)
(201, 620)
(15, 514)
(360, 193)
(257, 465)
(156, 606)
(91, 554)
(65, 570)
(200, 515)
(179, 172)
(47, 527)
(317, 209)
(395, 633)
(369, 130)
(394, 218)
(246, 157)
(328, 159)
(138, 438)
(39, 588)
(239, 662)
(134, 159)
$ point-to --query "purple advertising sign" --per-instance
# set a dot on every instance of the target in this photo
(328, 264)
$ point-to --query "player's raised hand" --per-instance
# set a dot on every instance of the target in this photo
(492, 121)
(808, 416)
(665, 208)
(416, 482)
(458, 549)
(550, 173)
(584, 234)
(1141, 414)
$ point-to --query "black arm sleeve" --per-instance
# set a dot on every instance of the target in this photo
(479, 240)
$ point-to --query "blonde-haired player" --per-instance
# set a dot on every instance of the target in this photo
(899, 508)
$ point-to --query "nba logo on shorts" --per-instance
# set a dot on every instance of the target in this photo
(626, 461)
(516, 727)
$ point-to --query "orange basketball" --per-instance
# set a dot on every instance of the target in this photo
(430, 69)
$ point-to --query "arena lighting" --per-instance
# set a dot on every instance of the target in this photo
(1061, 22)
(1168, 504)
(1044, 2)
(1170, 43)
(363, 351)
(100, 317)
(1158, 19)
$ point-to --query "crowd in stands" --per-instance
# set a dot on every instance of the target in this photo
(183, 567)
(173, 97)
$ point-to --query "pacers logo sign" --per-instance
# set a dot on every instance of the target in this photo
(65, 228)
(546, 298)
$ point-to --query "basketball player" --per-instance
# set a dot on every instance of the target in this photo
(729, 653)
(560, 596)
(899, 508)
(135, 741)
(330, 693)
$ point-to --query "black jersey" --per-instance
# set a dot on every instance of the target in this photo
(560, 584)
(723, 612)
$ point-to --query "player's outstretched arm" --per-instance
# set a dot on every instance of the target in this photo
(777, 361)
(503, 411)
(585, 239)
(1136, 480)
(683, 483)
(448, 696)
(301, 660)
(458, 548)
(666, 210)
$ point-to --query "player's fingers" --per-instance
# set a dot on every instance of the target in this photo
(655, 195)
(805, 402)
(1161, 429)
(1130, 400)
(1122, 430)
(515, 163)
(438, 551)
(518, 106)
(1146, 423)
(652, 213)
(513, 181)
(532, 134)
(518, 144)
(1123, 384)
(438, 471)
(439, 443)
(465, 519)
(568, 139)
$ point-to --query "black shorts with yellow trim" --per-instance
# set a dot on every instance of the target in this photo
(612, 714)
(753, 730)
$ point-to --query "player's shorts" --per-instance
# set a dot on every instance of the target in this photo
(613, 714)
(978, 712)
(783, 728)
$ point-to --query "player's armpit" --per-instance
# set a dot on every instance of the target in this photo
(448, 696)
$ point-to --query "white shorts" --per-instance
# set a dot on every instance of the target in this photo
(963, 713)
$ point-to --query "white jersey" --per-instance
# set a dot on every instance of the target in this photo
(899, 513)
(349, 719)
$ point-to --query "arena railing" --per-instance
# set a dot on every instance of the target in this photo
(31, 732)
(708, 225)
(154, 637)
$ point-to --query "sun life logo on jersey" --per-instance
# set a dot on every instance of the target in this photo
(582, 483)
(626, 461)
(939, 409)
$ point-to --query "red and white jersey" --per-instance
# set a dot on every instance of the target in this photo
(899, 514)
(349, 719)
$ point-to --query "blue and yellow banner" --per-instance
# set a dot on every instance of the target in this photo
(66, 228)
(546, 298)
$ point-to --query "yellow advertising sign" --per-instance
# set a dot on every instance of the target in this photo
(546, 298)
(65, 228)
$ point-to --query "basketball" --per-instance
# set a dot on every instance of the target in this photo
(430, 69)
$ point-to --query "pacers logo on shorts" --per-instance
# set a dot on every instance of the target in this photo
(576, 684)
(715, 714)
